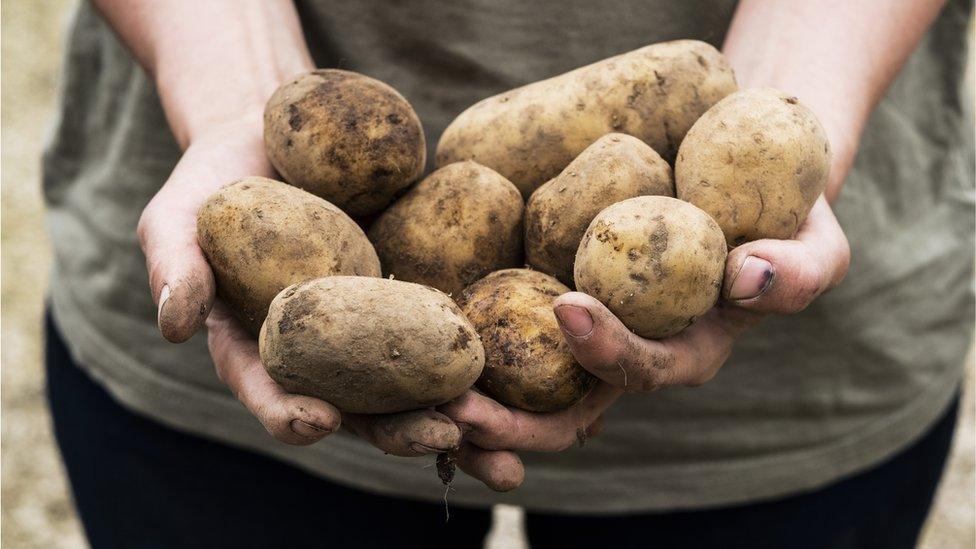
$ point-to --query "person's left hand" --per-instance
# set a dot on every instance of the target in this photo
(761, 277)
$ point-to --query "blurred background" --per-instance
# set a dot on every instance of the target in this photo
(36, 509)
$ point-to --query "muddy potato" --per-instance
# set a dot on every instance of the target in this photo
(614, 168)
(460, 223)
(261, 236)
(345, 137)
(656, 262)
(527, 362)
(756, 162)
(531, 133)
(370, 345)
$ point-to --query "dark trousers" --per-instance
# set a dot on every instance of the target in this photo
(139, 484)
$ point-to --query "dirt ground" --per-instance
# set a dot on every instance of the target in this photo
(36, 506)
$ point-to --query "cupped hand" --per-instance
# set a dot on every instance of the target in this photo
(493, 433)
(761, 277)
(183, 287)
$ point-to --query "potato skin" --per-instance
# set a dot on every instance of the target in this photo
(756, 162)
(370, 345)
(531, 133)
(656, 262)
(261, 235)
(614, 168)
(460, 223)
(527, 362)
(345, 137)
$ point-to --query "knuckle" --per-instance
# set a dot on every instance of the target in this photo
(701, 377)
(565, 441)
(806, 286)
(655, 371)
(144, 226)
(843, 264)
(221, 375)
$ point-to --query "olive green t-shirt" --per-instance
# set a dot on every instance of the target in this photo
(803, 401)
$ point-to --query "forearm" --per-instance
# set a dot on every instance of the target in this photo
(837, 56)
(214, 61)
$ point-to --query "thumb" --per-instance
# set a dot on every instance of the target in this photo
(785, 276)
(607, 349)
(180, 278)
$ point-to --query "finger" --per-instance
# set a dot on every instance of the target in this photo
(595, 428)
(785, 276)
(294, 419)
(500, 470)
(492, 426)
(415, 433)
(607, 349)
(181, 281)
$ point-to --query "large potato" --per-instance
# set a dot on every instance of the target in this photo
(346, 137)
(756, 162)
(531, 133)
(261, 235)
(460, 223)
(527, 362)
(614, 168)
(656, 262)
(370, 345)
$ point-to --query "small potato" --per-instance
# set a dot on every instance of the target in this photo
(656, 262)
(370, 345)
(756, 162)
(528, 363)
(261, 235)
(345, 137)
(614, 168)
(531, 133)
(460, 223)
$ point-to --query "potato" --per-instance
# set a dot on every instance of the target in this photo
(460, 223)
(370, 345)
(531, 133)
(756, 161)
(261, 235)
(345, 137)
(528, 363)
(614, 168)
(656, 262)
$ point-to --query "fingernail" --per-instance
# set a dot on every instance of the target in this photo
(308, 430)
(465, 428)
(424, 449)
(753, 279)
(576, 321)
(163, 296)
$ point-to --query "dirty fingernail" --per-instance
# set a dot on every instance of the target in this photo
(307, 430)
(424, 449)
(465, 428)
(163, 296)
(753, 279)
(576, 321)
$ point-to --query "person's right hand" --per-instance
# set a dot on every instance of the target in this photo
(183, 287)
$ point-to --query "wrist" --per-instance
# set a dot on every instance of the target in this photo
(197, 104)
(839, 111)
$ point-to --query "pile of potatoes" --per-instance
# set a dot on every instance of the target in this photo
(627, 179)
